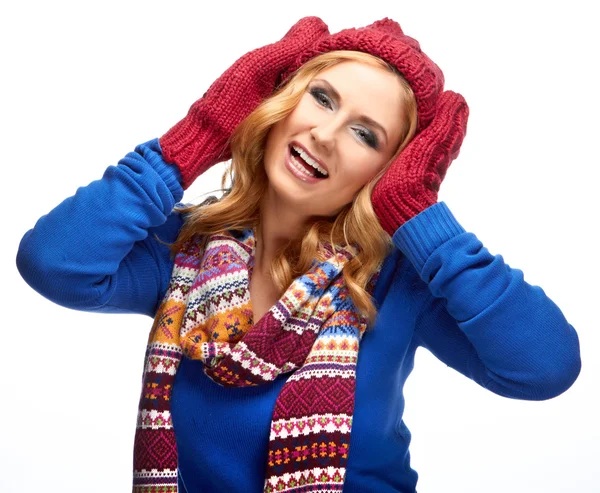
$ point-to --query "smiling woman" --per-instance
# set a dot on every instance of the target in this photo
(298, 213)
(332, 129)
(263, 300)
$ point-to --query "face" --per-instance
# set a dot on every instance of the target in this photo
(348, 125)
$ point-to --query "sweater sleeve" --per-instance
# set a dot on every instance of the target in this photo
(96, 250)
(481, 317)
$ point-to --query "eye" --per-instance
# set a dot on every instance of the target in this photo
(365, 135)
(368, 137)
(321, 97)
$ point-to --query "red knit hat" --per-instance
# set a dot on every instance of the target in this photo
(412, 181)
(199, 140)
(385, 39)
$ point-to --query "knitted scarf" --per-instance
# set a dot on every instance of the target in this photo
(313, 332)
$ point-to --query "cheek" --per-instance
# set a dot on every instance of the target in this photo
(355, 177)
(273, 145)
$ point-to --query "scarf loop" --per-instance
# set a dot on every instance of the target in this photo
(312, 332)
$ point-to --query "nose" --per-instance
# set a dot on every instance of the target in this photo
(324, 133)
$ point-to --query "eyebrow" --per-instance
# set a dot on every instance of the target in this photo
(363, 118)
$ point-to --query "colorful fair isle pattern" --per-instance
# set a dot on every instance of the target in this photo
(312, 332)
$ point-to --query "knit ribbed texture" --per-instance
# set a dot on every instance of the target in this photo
(200, 140)
(418, 239)
(412, 182)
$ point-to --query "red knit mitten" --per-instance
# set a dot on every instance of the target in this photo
(412, 182)
(200, 140)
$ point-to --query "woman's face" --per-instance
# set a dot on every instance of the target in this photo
(349, 122)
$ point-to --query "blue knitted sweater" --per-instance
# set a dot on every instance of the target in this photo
(440, 289)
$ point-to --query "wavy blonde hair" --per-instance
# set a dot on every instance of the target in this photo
(238, 209)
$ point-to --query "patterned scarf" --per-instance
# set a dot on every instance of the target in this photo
(313, 332)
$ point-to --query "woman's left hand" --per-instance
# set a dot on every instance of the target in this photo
(412, 182)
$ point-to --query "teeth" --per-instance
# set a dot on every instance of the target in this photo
(310, 160)
(300, 168)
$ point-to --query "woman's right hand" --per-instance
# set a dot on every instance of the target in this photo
(200, 140)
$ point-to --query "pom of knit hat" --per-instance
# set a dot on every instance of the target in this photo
(385, 39)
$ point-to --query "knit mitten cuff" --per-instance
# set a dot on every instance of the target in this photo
(424, 233)
(394, 212)
(195, 145)
(169, 173)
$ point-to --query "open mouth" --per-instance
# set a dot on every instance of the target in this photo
(300, 161)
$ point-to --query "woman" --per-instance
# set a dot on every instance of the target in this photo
(330, 244)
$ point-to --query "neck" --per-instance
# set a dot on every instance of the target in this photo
(278, 225)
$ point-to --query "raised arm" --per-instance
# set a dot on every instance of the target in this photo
(482, 318)
(96, 250)
(90, 252)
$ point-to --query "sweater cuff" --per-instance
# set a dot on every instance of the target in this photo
(168, 172)
(421, 235)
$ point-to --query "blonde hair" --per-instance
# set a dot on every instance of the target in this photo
(238, 208)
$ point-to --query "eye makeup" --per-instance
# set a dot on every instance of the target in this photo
(321, 95)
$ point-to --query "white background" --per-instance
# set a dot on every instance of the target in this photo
(84, 82)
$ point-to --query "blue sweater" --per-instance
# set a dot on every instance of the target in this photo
(440, 289)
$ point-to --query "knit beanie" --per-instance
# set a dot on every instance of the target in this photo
(386, 40)
(411, 183)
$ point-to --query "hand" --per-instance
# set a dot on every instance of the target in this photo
(200, 140)
(412, 182)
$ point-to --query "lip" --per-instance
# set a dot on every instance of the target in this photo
(292, 169)
(321, 163)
